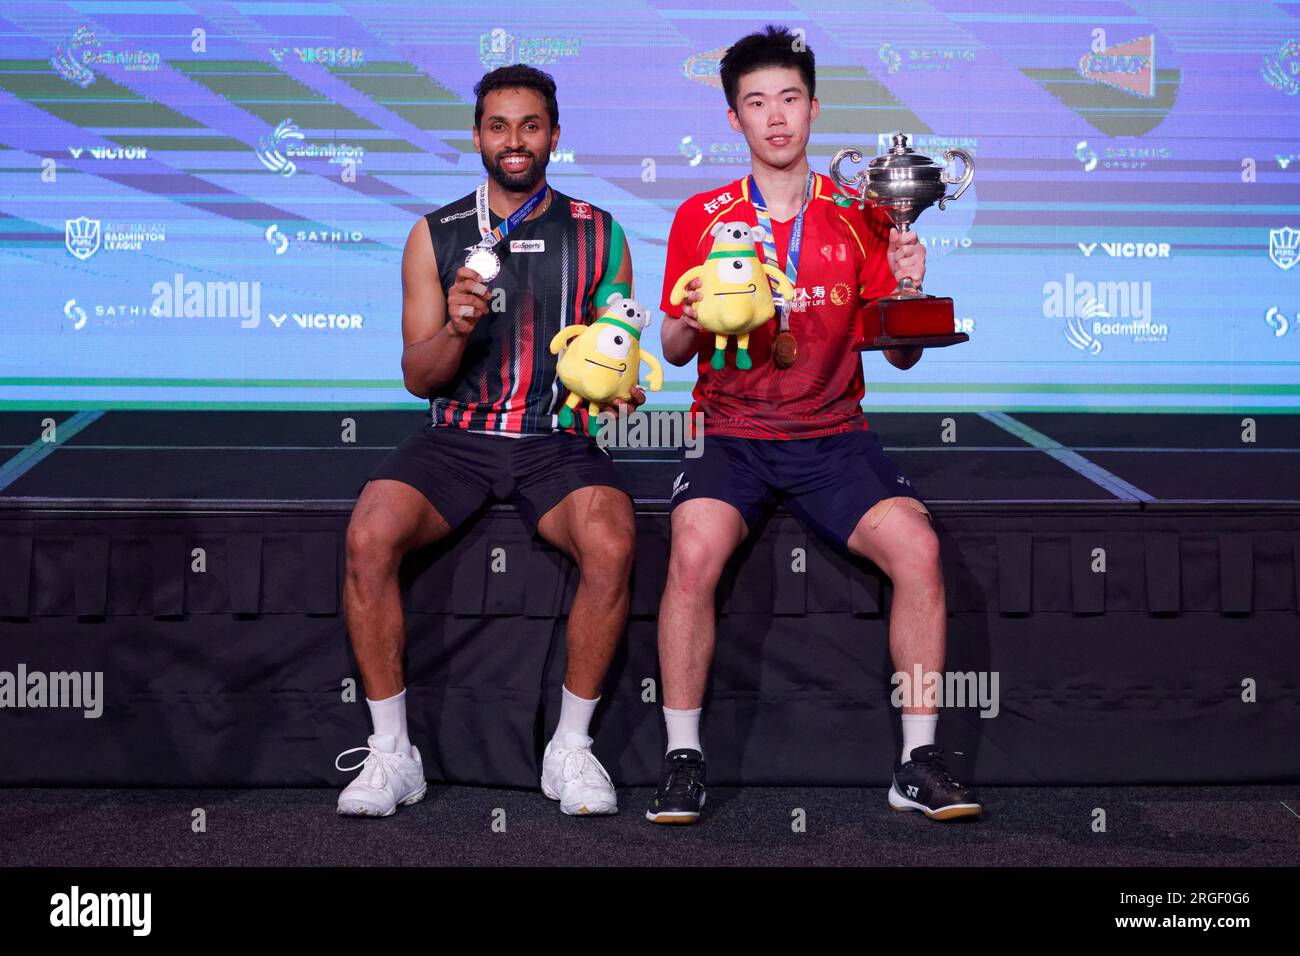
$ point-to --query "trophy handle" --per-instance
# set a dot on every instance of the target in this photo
(968, 173)
(852, 188)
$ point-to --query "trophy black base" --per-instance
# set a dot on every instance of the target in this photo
(911, 341)
(907, 320)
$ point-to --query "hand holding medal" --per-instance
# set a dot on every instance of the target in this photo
(466, 301)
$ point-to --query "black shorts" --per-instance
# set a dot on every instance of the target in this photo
(460, 471)
(829, 483)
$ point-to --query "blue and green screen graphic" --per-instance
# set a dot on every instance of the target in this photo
(204, 204)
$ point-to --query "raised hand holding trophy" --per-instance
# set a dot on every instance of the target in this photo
(905, 184)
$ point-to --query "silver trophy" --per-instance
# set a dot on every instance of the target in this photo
(905, 184)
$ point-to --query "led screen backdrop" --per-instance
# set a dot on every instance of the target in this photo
(204, 204)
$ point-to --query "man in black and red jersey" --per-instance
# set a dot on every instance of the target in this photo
(792, 432)
(487, 281)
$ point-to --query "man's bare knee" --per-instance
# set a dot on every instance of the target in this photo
(877, 512)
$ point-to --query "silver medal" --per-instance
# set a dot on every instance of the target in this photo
(483, 261)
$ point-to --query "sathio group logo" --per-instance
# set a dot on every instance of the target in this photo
(930, 58)
(1280, 323)
(278, 240)
(716, 153)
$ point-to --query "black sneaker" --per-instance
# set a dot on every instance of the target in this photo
(923, 783)
(681, 789)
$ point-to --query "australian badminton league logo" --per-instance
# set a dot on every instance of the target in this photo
(1284, 247)
(81, 236)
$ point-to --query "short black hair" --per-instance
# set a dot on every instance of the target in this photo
(775, 46)
(517, 77)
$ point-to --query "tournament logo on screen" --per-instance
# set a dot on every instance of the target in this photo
(499, 48)
(705, 67)
(1128, 89)
(1128, 67)
(1284, 247)
(1282, 70)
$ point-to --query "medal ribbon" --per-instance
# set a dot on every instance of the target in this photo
(492, 236)
(791, 267)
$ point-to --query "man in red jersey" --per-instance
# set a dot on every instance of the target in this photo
(793, 433)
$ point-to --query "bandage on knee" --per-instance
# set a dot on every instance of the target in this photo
(881, 508)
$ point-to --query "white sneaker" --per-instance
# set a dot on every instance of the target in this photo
(387, 778)
(573, 775)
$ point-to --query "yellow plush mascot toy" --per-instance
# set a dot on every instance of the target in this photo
(737, 296)
(600, 362)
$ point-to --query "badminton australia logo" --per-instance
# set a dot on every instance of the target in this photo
(78, 690)
(1095, 310)
(1284, 247)
(287, 142)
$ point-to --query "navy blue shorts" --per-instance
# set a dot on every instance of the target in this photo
(460, 471)
(829, 483)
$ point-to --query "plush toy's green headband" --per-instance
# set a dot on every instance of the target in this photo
(621, 324)
(737, 254)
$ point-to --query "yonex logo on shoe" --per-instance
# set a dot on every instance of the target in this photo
(911, 790)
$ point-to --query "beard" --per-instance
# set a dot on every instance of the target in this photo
(524, 182)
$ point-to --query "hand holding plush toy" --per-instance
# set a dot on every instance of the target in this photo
(599, 363)
(737, 296)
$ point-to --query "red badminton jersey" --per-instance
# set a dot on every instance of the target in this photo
(843, 261)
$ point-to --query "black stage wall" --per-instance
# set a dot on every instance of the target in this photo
(235, 675)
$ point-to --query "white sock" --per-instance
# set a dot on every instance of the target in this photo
(575, 715)
(918, 731)
(683, 729)
(389, 717)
